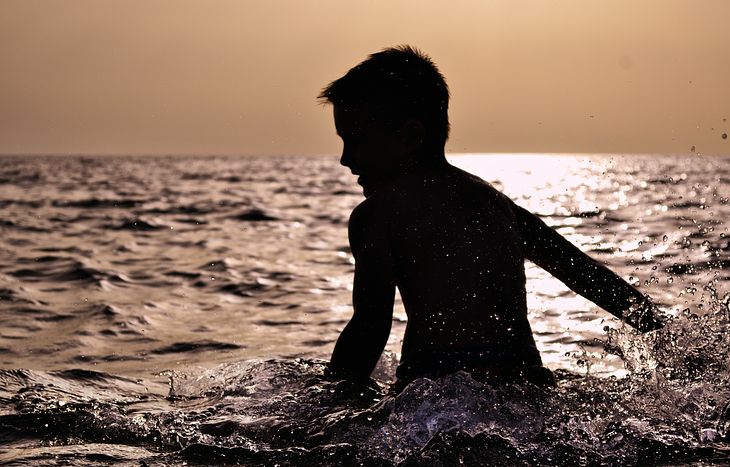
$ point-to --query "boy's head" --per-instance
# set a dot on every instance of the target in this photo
(396, 103)
(398, 83)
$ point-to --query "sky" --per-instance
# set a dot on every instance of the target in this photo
(241, 77)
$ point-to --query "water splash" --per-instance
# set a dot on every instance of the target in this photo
(286, 412)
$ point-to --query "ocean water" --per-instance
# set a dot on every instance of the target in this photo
(175, 311)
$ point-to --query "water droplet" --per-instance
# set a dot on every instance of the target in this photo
(708, 435)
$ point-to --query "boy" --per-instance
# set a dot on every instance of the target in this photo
(452, 244)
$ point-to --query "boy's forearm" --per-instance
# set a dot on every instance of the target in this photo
(601, 285)
(358, 350)
(582, 274)
(362, 341)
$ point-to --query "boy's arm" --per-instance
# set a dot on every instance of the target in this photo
(552, 252)
(362, 341)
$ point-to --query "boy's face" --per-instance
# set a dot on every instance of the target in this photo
(371, 149)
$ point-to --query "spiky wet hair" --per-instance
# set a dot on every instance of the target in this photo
(399, 83)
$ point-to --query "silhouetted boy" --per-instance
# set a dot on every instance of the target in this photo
(452, 244)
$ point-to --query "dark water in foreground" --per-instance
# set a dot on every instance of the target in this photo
(176, 311)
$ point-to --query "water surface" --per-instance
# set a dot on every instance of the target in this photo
(179, 310)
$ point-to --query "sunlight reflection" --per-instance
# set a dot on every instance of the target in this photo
(538, 182)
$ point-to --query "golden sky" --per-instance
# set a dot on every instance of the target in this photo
(241, 77)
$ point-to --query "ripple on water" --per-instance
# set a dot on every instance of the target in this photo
(65, 270)
(78, 216)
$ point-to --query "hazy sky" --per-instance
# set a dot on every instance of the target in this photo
(241, 77)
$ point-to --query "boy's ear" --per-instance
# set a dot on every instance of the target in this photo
(412, 134)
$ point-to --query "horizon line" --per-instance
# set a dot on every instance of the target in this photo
(448, 154)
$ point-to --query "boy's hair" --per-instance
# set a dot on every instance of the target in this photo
(398, 83)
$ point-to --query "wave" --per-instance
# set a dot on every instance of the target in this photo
(99, 203)
(256, 215)
(196, 346)
(286, 412)
(61, 269)
(138, 224)
(672, 408)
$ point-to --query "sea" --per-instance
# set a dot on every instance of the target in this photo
(174, 311)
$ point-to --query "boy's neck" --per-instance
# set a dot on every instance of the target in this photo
(434, 163)
(427, 161)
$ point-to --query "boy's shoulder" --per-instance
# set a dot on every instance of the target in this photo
(368, 208)
(373, 212)
(415, 192)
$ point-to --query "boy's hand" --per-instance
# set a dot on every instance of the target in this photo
(644, 316)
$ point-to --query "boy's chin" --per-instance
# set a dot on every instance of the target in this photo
(367, 190)
(368, 184)
(371, 184)
(364, 181)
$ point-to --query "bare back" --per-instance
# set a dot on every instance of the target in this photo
(459, 267)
